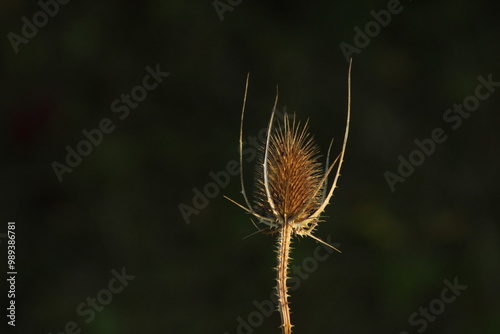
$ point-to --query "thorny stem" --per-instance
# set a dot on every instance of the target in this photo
(284, 241)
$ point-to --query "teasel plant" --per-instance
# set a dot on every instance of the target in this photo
(291, 188)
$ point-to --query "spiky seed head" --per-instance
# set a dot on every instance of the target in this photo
(294, 174)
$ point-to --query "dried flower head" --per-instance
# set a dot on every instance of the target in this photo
(291, 189)
(293, 175)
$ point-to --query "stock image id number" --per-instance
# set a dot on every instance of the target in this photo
(11, 248)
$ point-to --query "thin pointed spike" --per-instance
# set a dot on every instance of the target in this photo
(250, 211)
(254, 233)
(327, 200)
(325, 183)
(255, 225)
(262, 230)
(268, 139)
(241, 143)
(238, 204)
(324, 243)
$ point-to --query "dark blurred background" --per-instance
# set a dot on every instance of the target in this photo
(120, 207)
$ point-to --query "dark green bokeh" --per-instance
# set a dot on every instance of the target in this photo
(119, 207)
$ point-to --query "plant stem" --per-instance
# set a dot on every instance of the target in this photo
(284, 241)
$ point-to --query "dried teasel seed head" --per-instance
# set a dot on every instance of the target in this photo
(294, 174)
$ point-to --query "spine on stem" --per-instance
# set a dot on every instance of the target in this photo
(284, 241)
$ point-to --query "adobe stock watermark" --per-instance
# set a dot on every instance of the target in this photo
(453, 117)
(88, 309)
(121, 107)
(436, 306)
(222, 7)
(221, 179)
(29, 28)
(371, 30)
(265, 308)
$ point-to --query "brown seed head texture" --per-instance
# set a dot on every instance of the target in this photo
(294, 174)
